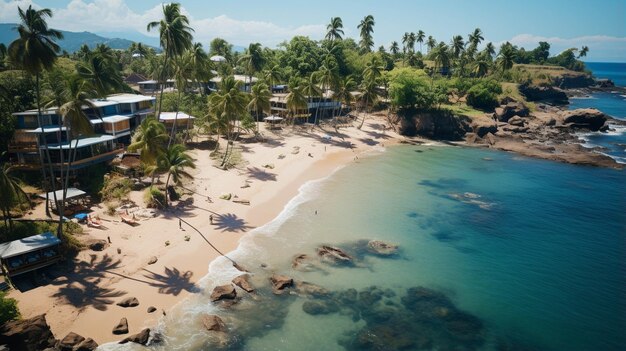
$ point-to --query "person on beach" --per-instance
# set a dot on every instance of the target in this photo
(211, 218)
(180, 223)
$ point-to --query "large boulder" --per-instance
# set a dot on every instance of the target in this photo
(213, 323)
(27, 334)
(129, 302)
(121, 327)
(435, 124)
(585, 118)
(505, 112)
(223, 292)
(483, 125)
(139, 338)
(70, 341)
(280, 283)
(88, 344)
(382, 248)
(551, 94)
(516, 121)
(334, 255)
(242, 282)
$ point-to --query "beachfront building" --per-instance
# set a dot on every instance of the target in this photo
(152, 86)
(182, 120)
(322, 106)
(113, 120)
(28, 254)
(213, 84)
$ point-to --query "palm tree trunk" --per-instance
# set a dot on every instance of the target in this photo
(173, 132)
(46, 150)
(167, 192)
(164, 80)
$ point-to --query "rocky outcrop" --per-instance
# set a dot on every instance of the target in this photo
(280, 283)
(213, 323)
(604, 83)
(569, 81)
(442, 125)
(382, 248)
(483, 125)
(121, 327)
(584, 118)
(27, 334)
(70, 341)
(516, 121)
(88, 344)
(505, 112)
(140, 338)
(551, 94)
(129, 302)
(334, 255)
(242, 282)
(223, 292)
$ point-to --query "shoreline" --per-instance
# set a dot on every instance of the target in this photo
(84, 300)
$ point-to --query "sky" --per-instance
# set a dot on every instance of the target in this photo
(599, 24)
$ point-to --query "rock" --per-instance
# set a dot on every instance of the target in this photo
(334, 255)
(139, 338)
(88, 344)
(515, 129)
(153, 260)
(490, 138)
(69, 341)
(27, 334)
(280, 283)
(550, 122)
(97, 245)
(320, 307)
(535, 93)
(311, 289)
(435, 124)
(129, 302)
(383, 337)
(242, 282)
(505, 112)
(223, 292)
(482, 125)
(151, 309)
(138, 186)
(586, 118)
(213, 323)
(604, 83)
(516, 121)
(605, 128)
(382, 248)
(471, 138)
(570, 81)
(121, 327)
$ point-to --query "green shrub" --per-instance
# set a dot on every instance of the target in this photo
(484, 94)
(116, 188)
(8, 309)
(154, 198)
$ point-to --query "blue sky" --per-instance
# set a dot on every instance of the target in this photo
(599, 24)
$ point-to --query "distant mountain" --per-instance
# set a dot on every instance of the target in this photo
(72, 41)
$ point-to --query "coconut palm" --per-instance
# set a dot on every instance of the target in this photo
(259, 101)
(405, 42)
(174, 36)
(100, 70)
(327, 76)
(490, 50)
(369, 96)
(374, 68)
(457, 45)
(11, 193)
(272, 75)
(420, 38)
(201, 65)
(367, 28)
(583, 51)
(441, 56)
(344, 90)
(311, 89)
(35, 51)
(431, 43)
(174, 162)
(296, 100)
(411, 43)
(334, 30)
(394, 48)
(149, 139)
(476, 37)
(480, 68)
(506, 57)
(252, 60)
(184, 71)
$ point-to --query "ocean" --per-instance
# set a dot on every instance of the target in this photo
(613, 104)
(496, 252)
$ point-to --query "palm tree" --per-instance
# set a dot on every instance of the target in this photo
(405, 42)
(149, 139)
(259, 101)
(344, 91)
(200, 64)
(11, 193)
(367, 28)
(174, 161)
(174, 36)
(327, 75)
(476, 37)
(253, 60)
(311, 89)
(583, 51)
(272, 75)
(374, 69)
(506, 57)
(441, 55)
(411, 42)
(369, 95)
(480, 68)
(3, 56)
(490, 50)
(101, 71)
(394, 49)
(183, 72)
(420, 38)
(334, 30)
(36, 51)
(431, 43)
(457, 46)
(229, 103)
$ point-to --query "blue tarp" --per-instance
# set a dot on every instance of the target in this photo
(81, 216)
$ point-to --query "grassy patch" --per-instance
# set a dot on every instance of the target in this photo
(463, 110)
(115, 188)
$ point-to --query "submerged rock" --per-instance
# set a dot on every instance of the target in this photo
(334, 255)
(311, 289)
(242, 282)
(316, 307)
(280, 283)
(382, 248)
(223, 292)
(213, 323)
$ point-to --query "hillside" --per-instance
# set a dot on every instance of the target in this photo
(71, 42)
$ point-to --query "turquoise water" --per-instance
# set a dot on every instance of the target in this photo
(527, 254)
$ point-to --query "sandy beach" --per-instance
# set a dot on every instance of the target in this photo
(83, 297)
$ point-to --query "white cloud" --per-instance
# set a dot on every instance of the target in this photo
(116, 16)
(601, 47)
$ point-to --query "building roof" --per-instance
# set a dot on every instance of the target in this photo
(83, 142)
(33, 112)
(115, 118)
(170, 116)
(70, 193)
(151, 81)
(134, 77)
(239, 77)
(46, 129)
(29, 244)
(103, 102)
